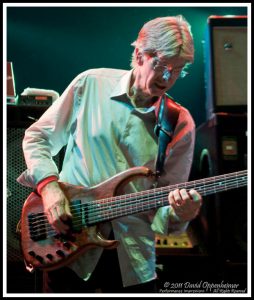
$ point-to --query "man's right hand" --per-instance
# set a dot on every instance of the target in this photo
(56, 206)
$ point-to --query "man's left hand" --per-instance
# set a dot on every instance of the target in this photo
(186, 204)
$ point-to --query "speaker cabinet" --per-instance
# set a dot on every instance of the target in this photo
(221, 147)
(16, 194)
(19, 280)
(226, 64)
(18, 119)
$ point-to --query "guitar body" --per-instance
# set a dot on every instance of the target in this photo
(43, 248)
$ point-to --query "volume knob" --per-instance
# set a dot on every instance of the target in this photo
(60, 253)
(32, 253)
(67, 245)
(49, 256)
(39, 258)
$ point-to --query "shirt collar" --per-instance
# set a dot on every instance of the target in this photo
(121, 91)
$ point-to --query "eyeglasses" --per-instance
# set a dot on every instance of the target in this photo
(166, 71)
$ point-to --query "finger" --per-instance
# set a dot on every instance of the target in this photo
(65, 218)
(196, 197)
(171, 200)
(49, 216)
(177, 197)
(67, 209)
(185, 197)
(57, 222)
(62, 213)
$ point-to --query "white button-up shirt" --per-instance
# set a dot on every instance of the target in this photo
(106, 134)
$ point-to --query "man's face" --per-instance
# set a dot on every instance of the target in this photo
(153, 71)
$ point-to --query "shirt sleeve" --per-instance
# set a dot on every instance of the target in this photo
(177, 168)
(44, 182)
(45, 138)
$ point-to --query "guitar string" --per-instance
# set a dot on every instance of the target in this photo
(120, 198)
(190, 184)
(100, 206)
(130, 203)
(147, 206)
(127, 203)
(129, 206)
(114, 204)
(51, 232)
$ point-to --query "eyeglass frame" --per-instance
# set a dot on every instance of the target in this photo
(167, 73)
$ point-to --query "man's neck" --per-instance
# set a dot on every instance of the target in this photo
(140, 99)
(137, 96)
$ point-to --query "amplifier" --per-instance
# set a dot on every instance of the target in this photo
(221, 147)
(225, 50)
(35, 100)
(183, 243)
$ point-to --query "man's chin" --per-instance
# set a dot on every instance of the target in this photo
(156, 91)
(151, 93)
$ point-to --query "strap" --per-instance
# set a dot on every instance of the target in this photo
(164, 129)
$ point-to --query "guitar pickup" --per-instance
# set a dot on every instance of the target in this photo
(79, 212)
(37, 226)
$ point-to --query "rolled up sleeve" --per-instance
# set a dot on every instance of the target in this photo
(45, 138)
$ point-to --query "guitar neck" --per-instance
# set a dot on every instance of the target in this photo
(110, 208)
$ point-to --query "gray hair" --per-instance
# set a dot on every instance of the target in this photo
(168, 36)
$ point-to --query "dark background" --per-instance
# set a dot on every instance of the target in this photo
(49, 46)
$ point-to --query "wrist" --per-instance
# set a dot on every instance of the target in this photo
(45, 182)
(174, 218)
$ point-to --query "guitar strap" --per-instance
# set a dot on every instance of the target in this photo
(167, 117)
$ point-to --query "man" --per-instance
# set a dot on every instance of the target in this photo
(106, 118)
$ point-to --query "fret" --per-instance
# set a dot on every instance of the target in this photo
(221, 185)
(200, 189)
(123, 199)
(194, 184)
(204, 187)
(142, 204)
(137, 208)
(83, 215)
(185, 185)
(225, 182)
(238, 182)
(160, 202)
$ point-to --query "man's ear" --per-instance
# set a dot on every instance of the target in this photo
(139, 57)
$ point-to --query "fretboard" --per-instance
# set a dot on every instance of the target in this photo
(110, 208)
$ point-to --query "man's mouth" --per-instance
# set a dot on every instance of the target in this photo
(158, 86)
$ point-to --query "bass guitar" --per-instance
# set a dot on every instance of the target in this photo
(44, 248)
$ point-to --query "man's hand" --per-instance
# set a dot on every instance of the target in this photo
(186, 205)
(56, 206)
